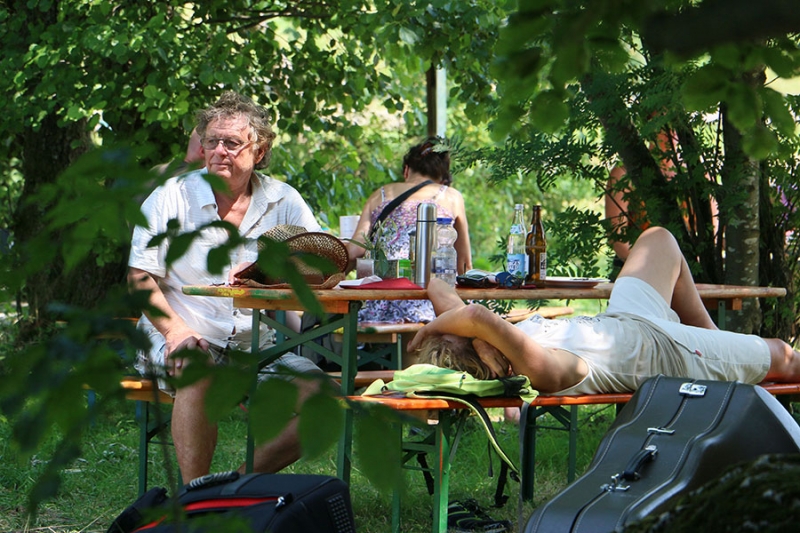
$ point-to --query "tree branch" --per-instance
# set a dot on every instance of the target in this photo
(624, 138)
(317, 10)
(716, 22)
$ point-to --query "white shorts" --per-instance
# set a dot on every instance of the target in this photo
(710, 354)
(286, 367)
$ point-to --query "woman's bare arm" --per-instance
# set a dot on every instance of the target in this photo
(361, 233)
(462, 244)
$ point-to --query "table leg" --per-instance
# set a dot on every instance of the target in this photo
(397, 439)
(349, 368)
(721, 314)
(254, 348)
(567, 418)
(441, 472)
(280, 316)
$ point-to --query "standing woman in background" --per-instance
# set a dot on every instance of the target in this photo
(428, 161)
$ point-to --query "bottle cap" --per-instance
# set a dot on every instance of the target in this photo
(444, 220)
(426, 212)
(519, 206)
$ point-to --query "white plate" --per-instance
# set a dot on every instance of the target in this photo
(572, 283)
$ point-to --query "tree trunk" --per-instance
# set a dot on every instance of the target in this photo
(740, 217)
(661, 195)
(776, 266)
(46, 152)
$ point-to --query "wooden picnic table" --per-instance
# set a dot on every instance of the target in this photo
(337, 300)
(347, 302)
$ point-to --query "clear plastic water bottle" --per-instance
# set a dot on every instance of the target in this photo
(445, 257)
(516, 258)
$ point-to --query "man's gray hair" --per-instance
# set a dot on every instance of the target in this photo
(234, 105)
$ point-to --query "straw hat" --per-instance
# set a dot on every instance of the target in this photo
(300, 242)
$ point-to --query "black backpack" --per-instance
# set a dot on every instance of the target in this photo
(279, 503)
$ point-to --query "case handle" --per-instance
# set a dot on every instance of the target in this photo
(632, 472)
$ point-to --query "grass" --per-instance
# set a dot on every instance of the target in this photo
(103, 480)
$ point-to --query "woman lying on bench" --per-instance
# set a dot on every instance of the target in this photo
(655, 323)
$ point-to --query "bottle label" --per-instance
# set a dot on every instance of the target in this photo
(515, 264)
(543, 266)
(405, 270)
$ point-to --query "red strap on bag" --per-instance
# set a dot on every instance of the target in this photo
(218, 504)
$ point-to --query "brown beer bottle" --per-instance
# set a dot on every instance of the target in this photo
(536, 249)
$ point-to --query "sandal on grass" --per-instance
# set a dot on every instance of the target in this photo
(467, 517)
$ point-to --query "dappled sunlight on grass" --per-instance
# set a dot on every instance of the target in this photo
(104, 479)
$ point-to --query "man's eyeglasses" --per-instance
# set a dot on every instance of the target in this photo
(232, 146)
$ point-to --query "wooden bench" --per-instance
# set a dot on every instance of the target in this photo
(391, 335)
(151, 420)
(441, 441)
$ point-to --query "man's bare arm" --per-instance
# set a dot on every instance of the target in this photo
(178, 335)
(443, 296)
(549, 370)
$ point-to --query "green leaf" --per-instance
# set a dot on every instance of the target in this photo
(520, 31)
(74, 112)
(526, 64)
(219, 258)
(316, 262)
(377, 443)
(705, 88)
(728, 56)
(571, 61)
(613, 57)
(759, 142)
(271, 408)
(408, 36)
(548, 111)
(321, 422)
(505, 121)
(178, 246)
(744, 105)
(229, 386)
(775, 107)
(75, 253)
(537, 7)
(30, 429)
(784, 63)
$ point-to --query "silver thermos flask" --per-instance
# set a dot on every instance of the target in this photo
(426, 225)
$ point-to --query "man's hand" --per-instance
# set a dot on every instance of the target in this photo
(494, 360)
(443, 297)
(232, 279)
(177, 342)
(177, 335)
(489, 333)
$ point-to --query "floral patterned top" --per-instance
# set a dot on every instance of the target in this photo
(396, 227)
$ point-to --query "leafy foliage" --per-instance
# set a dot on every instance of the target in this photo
(539, 59)
(120, 76)
(688, 123)
(344, 81)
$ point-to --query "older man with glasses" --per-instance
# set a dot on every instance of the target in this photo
(236, 139)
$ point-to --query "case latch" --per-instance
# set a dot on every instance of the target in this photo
(693, 389)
